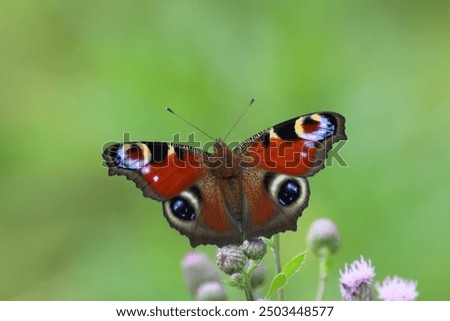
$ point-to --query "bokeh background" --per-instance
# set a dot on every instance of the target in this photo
(76, 75)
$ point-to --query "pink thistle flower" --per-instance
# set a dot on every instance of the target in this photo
(355, 281)
(397, 289)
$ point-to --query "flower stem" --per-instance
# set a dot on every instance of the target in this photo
(323, 275)
(248, 290)
(276, 254)
(247, 285)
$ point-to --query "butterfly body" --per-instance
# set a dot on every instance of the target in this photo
(257, 189)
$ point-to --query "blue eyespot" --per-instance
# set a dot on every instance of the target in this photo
(289, 193)
(182, 209)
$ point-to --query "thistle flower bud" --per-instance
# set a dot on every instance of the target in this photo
(254, 249)
(198, 269)
(211, 291)
(323, 237)
(231, 259)
(356, 281)
(258, 276)
(397, 289)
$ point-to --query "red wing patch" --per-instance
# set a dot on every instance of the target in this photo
(260, 207)
(173, 175)
(282, 156)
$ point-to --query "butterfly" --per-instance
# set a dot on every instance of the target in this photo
(259, 188)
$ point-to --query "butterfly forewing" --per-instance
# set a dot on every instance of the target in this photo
(161, 170)
(295, 147)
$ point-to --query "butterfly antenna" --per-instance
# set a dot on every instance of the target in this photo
(242, 115)
(186, 121)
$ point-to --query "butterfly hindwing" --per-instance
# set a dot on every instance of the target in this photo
(208, 220)
(274, 202)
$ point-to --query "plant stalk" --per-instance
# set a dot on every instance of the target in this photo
(248, 291)
(322, 277)
(276, 254)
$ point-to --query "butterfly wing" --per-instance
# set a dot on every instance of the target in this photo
(177, 176)
(276, 163)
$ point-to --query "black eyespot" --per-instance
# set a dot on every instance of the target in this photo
(182, 209)
(289, 192)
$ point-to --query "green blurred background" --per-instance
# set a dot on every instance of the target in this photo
(78, 74)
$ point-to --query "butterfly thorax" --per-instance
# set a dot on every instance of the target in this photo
(224, 163)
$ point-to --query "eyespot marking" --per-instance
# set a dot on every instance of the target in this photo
(181, 208)
(287, 191)
(185, 206)
(133, 156)
(314, 127)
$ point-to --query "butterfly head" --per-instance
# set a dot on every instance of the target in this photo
(220, 147)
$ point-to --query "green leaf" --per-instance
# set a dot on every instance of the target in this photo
(293, 265)
(278, 281)
(287, 271)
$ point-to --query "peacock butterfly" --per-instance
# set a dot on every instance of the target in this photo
(259, 188)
